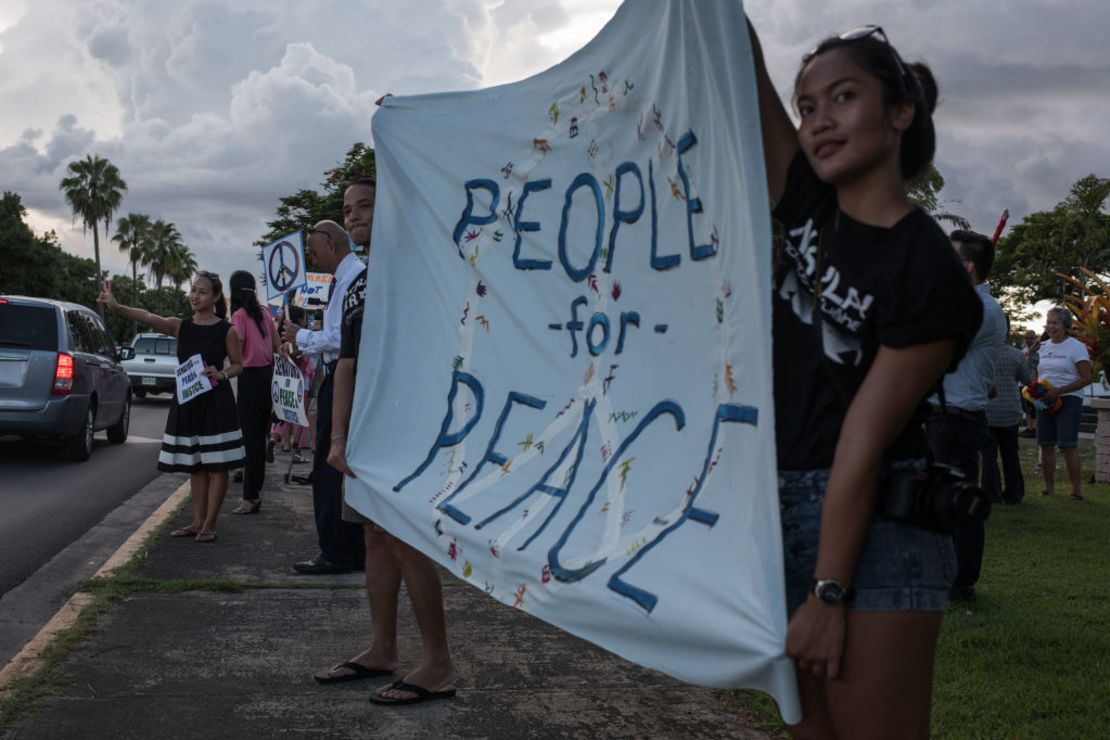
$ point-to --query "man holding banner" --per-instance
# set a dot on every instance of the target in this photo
(341, 547)
(388, 559)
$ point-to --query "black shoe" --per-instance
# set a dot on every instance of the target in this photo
(321, 566)
(270, 451)
(961, 595)
(1028, 433)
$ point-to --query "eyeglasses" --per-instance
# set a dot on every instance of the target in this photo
(864, 32)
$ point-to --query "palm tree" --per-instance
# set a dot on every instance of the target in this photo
(182, 264)
(94, 191)
(164, 239)
(133, 237)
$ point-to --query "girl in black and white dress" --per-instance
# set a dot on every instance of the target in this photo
(202, 435)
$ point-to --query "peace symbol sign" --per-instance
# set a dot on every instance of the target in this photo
(284, 267)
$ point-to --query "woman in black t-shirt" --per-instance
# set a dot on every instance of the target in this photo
(870, 307)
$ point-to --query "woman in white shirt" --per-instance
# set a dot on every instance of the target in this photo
(1065, 363)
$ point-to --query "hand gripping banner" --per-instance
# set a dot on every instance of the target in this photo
(564, 388)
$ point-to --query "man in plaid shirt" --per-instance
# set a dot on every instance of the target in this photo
(1012, 369)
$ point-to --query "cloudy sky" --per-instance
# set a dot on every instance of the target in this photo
(212, 109)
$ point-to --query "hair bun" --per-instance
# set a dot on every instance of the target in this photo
(927, 82)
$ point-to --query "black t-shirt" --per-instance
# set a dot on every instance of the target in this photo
(896, 286)
(350, 331)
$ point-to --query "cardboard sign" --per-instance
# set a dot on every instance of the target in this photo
(287, 391)
(191, 381)
(283, 265)
(314, 294)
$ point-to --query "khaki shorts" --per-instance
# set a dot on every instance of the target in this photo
(352, 515)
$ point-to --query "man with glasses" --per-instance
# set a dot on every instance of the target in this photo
(341, 545)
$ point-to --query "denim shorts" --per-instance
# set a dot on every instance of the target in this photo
(901, 568)
(1062, 428)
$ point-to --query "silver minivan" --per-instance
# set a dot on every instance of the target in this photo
(60, 375)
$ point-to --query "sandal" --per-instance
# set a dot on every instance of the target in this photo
(184, 532)
(205, 537)
(1075, 497)
(1046, 493)
(248, 507)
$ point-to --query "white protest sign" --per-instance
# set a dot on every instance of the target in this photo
(287, 391)
(283, 265)
(316, 287)
(564, 385)
(191, 382)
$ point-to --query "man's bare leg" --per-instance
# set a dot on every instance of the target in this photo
(435, 672)
(383, 582)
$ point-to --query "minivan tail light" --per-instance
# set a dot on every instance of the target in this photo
(63, 375)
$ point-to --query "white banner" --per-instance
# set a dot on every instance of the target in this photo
(283, 265)
(191, 382)
(564, 386)
(287, 391)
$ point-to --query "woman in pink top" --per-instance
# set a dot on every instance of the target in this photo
(253, 401)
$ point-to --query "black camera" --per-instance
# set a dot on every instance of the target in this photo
(934, 497)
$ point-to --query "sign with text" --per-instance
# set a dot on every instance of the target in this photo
(191, 380)
(283, 265)
(314, 294)
(287, 391)
(563, 391)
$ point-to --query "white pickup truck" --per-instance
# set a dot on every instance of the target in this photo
(152, 369)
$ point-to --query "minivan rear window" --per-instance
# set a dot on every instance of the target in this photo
(156, 346)
(28, 327)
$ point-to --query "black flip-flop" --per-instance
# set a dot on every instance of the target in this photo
(422, 695)
(358, 673)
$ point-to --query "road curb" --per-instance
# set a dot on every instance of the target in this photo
(30, 658)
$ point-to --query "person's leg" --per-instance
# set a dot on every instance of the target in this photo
(970, 540)
(992, 481)
(436, 672)
(327, 489)
(1048, 469)
(254, 416)
(217, 489)
(1067, 438)
(887, 684)
(816, 721)
(198, 489)
(1071, 460)
(383, 584)
(1014, 490)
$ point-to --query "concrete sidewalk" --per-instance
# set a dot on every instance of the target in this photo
(217, 664)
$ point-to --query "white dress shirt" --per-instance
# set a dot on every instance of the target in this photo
(326, 341)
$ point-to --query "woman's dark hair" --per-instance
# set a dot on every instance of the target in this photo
(244, 295)
(901, 83)
(218, 289)
(296, 314)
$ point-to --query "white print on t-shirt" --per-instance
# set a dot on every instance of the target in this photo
(845, 309)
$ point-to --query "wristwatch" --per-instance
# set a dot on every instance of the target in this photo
(830, 592)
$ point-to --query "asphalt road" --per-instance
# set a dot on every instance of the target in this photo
(46, 504)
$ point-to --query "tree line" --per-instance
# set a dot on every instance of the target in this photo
(94, 191)
(1034, 261)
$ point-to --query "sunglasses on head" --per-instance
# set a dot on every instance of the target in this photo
(207, 274)
(865, 32)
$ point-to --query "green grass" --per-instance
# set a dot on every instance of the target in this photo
(1031, 657)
